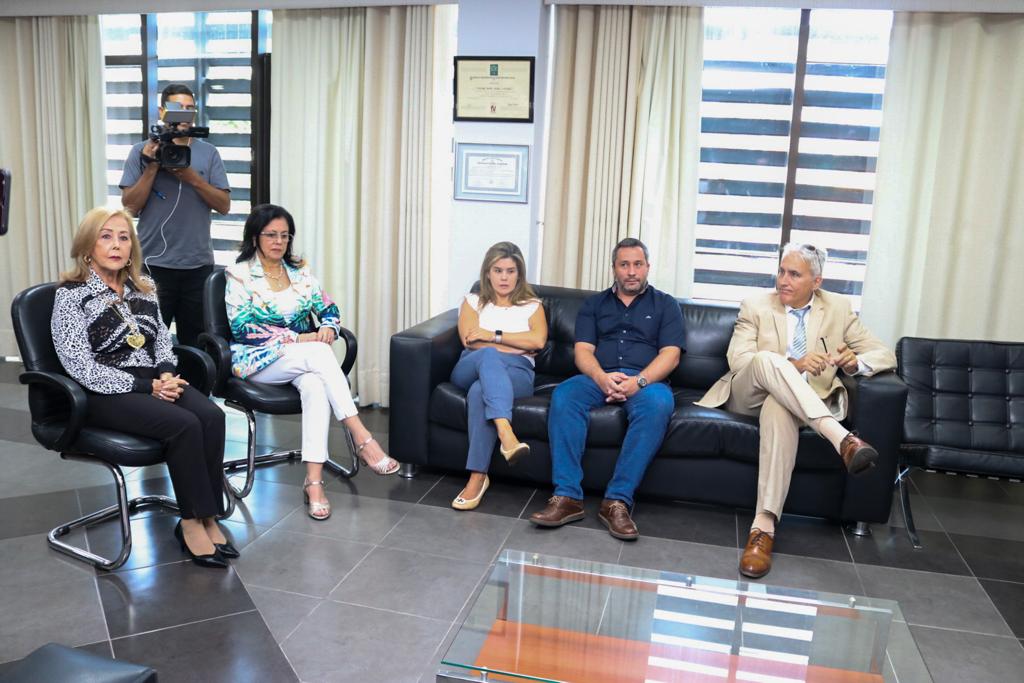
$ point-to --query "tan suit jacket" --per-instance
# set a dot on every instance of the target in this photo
(761, 326)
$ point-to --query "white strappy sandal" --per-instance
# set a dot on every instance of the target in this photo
(386, 465)
(316, 510)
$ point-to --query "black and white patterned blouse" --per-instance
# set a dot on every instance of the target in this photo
(91, 338)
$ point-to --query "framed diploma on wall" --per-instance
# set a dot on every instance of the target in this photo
(498, 89)
(491, 173)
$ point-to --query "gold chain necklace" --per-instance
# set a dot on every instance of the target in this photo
(135, 339)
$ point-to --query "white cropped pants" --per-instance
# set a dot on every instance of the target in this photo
(312, 369)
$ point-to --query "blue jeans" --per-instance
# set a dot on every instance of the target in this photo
(648, 412)
(491, 380)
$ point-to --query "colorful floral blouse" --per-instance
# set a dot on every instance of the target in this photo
(263, 321)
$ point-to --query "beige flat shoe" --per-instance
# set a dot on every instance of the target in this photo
(461, 503)
(513, 454)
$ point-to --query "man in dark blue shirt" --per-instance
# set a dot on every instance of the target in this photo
(628, 340)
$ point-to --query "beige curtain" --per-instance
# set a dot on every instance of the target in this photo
(948, 230)
(53, 144)
(623, 142)
(352, 154)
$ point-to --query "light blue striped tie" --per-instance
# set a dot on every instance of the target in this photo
(800, 333)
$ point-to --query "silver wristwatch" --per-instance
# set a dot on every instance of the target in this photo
(641, 381)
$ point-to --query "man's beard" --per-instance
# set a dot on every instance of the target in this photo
(631, 289)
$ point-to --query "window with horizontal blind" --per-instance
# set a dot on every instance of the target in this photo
(790, 116)
(212, 53)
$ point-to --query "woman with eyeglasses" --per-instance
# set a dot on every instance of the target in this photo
(283, 325)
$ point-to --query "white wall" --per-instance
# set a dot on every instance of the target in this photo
(511, 28)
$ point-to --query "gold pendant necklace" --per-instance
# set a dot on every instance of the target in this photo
(135, 338)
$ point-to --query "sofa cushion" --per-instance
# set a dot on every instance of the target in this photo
(708, 329)
(529, 416)
(698, 432)
(693, 431)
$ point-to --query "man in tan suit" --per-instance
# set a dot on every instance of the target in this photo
(786, 351)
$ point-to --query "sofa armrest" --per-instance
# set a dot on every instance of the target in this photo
(877, 406)
(421, 358)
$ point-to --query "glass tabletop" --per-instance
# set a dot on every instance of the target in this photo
(545, 618)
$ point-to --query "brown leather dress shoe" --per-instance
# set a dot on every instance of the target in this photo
(560, 510)
(858, 455)
(615, 515)
(757, 556)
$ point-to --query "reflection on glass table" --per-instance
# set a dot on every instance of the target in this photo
(544, 618)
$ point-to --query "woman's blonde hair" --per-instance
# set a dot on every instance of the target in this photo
(88, 234)
(522, 292)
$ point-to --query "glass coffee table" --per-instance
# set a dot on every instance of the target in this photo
(544, 618)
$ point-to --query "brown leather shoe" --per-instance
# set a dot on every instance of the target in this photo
(615, 515)
(757, 556)
(560, 510)
(858, 455)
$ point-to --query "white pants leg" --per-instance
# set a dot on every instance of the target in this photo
(312, 369)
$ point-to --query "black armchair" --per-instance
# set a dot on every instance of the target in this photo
(58, 407)
(965, 411)
(253, 397)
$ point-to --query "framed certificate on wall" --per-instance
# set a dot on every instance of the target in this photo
(498, 89)
(491, 173)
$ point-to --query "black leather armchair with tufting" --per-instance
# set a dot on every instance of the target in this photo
(709, 455)
(965, 410)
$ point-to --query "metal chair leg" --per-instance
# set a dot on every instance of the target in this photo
(860, 529)
(341, 470)
(908, 515)
(122, 509)
(252, 461)
(408, 471)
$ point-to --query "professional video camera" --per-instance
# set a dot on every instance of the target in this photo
(170, 155)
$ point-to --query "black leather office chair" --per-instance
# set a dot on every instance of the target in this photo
(58, 406)
(253, 397)
(965, 411)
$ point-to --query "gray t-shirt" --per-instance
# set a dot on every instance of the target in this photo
(187, 231)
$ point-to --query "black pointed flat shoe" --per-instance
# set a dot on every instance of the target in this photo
(213, 561)
(227, 549)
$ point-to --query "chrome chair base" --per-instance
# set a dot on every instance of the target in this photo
(252, 461)
(908, 516)
(122, 510)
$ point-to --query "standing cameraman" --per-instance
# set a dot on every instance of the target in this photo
(173, 209)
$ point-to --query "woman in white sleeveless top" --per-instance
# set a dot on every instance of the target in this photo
(502, 329)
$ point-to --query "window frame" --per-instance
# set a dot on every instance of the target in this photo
(259, 108)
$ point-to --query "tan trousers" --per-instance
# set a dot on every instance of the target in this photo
(771, 388)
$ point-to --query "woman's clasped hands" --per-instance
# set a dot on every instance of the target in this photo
(169, 387)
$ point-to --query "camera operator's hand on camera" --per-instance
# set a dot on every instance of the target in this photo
(186, 175)
(150, 150)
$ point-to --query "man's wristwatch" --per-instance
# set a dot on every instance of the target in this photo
(641, 381)
(497, 336)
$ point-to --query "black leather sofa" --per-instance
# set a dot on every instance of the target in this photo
(965, 411)
(708, 455)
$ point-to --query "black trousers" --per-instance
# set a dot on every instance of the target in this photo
(192, 432)
(181, 299)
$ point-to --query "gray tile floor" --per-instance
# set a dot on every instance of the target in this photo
(376, 593)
